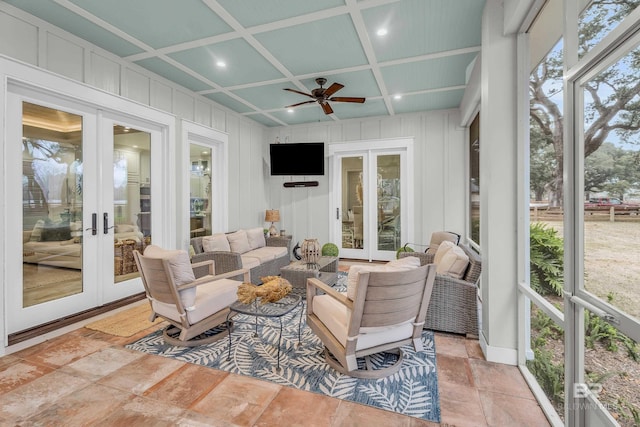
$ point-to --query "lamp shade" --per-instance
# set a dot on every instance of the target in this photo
(272, 215)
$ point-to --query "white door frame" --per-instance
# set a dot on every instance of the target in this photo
(218, 143)
(18, 78)
(370, 149)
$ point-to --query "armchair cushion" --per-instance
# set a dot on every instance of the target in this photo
(454, 263)
(217, 242)
(336, 317)
(239, 241)
(256, 238)
(180, 266)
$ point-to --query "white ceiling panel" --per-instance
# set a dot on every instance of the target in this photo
(269, 45)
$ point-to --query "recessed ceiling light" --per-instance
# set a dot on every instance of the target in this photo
(205, 152)
(397, 96)
(135, 146)
(382, 32)
(221, 64)
(290, 110)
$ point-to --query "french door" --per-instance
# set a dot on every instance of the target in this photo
(371, 183)
(83, 206)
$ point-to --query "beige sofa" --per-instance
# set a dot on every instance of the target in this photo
(242, 249)
(59, 245)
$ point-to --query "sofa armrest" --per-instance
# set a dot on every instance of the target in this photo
(224, 262)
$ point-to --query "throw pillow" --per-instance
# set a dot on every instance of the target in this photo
(36, 233)
(256, 238)
(180, 266)
(352, 279)
(443, 248)
(454, 263)
(55, 233)
(217, 242)
(239, 242)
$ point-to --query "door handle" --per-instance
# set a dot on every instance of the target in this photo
(337, 213)
(94, 224)
(105, 223)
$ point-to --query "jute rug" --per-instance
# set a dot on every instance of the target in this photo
(412, 391)
(125, 323)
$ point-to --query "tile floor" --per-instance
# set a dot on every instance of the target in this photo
(86, 377)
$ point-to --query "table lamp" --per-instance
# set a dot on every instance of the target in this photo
(272, 215)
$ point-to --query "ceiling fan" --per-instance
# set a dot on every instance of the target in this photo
(322, 96)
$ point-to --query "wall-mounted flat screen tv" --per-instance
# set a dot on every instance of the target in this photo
(304, 158)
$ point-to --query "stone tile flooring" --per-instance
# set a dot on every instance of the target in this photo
(86, 377)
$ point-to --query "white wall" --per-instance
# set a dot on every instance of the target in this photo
(439, 172)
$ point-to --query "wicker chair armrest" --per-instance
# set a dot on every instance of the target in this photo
(424, 257)
(452, 281)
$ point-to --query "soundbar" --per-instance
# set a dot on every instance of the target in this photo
(293, 184)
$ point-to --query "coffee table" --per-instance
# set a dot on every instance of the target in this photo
(272, 309)
(298, 272)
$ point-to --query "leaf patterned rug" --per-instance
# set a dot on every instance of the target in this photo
(411, 391)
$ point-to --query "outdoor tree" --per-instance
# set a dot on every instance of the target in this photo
(611, 98)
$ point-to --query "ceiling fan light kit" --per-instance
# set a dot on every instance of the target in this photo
(322, 96)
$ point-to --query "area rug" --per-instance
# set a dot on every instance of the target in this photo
(125, 323)
(411, 391)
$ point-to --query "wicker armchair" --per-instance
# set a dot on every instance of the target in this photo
(454, 302)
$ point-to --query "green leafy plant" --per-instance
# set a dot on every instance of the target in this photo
(549, 376)
(404, 248)
(546, 257)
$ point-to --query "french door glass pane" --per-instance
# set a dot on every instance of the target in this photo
(388, 212)
(612, 185)
(200, 190)
(51, 204)
(131, 198)
(352, 202)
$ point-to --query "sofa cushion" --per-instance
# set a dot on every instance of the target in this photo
(239, 242)
(124, 228)
(217, 242)
(180, 266)
(249, 262)
(256, 238)
(454, 263)
(443, 248)
(267, 253)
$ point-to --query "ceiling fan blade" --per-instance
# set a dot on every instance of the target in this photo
(327, 108)
(300, 103)
(347, 99)
(301, 93)
(333, 89)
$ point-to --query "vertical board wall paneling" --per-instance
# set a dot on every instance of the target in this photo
(18, 39)
(236, 198)
(203, 113)
(65, 57)
(103, 73)
(184, 105)
(136, 86)
(161, 96)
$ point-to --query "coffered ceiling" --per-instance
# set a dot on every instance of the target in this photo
(243, 53)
